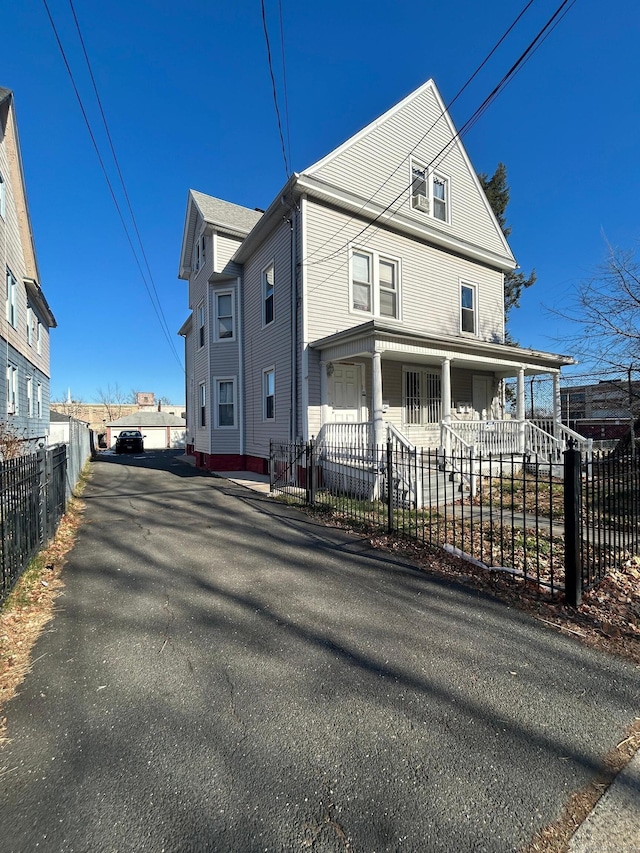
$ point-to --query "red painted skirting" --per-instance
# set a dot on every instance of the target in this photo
(231, 462)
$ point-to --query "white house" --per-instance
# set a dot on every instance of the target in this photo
(367, 300)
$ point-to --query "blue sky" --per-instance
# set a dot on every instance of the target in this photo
(187, 94)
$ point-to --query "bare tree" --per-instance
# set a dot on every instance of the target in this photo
(113, 398)
(606, 314)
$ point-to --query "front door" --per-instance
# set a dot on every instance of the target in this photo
(346, 393)
(482, 396)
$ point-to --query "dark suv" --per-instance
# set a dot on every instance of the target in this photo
(130, 441)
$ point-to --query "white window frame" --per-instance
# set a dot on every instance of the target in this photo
(12, 299)
(38, 337)
(424, 406)
(474, 310)
(218, 381)
(29, 397)
(39, 400)
(375, 259)
(199, 253)
(29, 325)
(201, 316)
(429, 176)
(3, 197)
(12, 389)
(266, 296)
(217, 336)
(202, 405)
(268, 371)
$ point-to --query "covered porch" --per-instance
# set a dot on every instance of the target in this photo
(380, 382)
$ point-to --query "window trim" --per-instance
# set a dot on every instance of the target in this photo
(427, 408)
(39, 400)
(199, 252)
(375, 259)
(268, 371)
(29, 325)
(216, 332)
(201, 316)
(29, 384)
(12, 389)
(263, 284)
(473, 287)
(234, 382)
(12, 299)
(202, 405)
(3, 197)
(430, 175)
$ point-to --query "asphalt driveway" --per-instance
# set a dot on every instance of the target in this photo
(224, 674)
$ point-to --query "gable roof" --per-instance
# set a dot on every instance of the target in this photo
(369, 176)
(231, 219)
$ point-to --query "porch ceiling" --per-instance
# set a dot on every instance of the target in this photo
(404, 344)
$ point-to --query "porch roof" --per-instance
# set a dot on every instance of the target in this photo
(410, 344)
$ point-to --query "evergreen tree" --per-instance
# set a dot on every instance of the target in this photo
(497, 191)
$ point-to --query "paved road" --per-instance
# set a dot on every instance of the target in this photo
(226, 675)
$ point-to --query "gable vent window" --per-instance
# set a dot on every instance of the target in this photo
(430, 192)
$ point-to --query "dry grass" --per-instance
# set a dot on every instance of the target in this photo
(31, 604)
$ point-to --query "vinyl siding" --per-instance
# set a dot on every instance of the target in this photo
(269, 346)
(225, 249)
(429, 280)
(224, 363)
(383, 156)
(16, 253)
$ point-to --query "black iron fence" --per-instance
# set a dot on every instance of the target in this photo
(32, 502)
(560, 527)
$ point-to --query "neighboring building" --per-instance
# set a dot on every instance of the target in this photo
(98, 415)
(367, 298)
(60, 427)
(160, 429)
(601, 410)
(24, 333)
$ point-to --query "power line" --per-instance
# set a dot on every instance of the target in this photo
(164, 323)
(443, 112)
(284, 81)
(106, 176)
(506, 79)
(273, 87)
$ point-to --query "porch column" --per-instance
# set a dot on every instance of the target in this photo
(520, 411)
(445, 385)
(324, 394)
(376, 389)
(557, 407)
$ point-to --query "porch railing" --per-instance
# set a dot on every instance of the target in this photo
(358, 437)
(496, 437)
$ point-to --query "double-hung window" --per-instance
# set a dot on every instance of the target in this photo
(201, 324)
(468, 321)
(199, 253)
(38, 333)
(269, 394)
(3, 197)
(12, 389)
(202, 400)
(29, 397)
(375, 284)
(12, 295)
(29, 325)
(429, 192)
(268, 285)
(39, 401)
(225, 324)
(226, 403)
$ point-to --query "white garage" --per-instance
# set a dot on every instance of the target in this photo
(160, 429)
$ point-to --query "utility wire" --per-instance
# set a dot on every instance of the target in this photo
(284, 81)
(443, 112)
(106, 176)
(122, 181)
(506, 79)
(273, 88)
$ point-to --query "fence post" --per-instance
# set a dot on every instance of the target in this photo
(389, 487)
(310, 486)
(572, 526)
(271, 466)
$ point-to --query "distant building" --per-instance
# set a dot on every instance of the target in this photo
(98, 415)
(24, 333)
(600, 410)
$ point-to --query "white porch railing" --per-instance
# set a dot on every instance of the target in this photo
(355, 437)
(496, 437)
(406, 472)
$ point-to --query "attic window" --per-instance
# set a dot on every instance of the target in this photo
(199, 253)
(430, 192)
